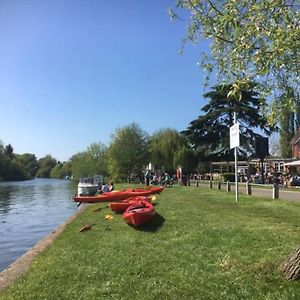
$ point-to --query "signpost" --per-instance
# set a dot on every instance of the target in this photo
(235, 143)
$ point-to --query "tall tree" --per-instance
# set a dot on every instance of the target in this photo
(128, 152)
(45, 165)
(209, 133)
(249, 40)
(163, 146)
(90, 162)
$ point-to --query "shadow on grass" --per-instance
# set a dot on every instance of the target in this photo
(153, 225)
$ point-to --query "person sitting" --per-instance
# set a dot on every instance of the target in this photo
(105, 188)
(111, 187)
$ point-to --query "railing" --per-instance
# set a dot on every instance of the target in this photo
(246, 185)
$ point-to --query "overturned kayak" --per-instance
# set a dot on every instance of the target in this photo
(124, 204)
(139, 213)
(113, 196)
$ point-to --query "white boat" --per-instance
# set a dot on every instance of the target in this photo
(89, 186)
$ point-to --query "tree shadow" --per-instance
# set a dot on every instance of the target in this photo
(153, 225)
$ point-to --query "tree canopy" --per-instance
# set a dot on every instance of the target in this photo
(209, 133)
(249, 40)
(168, 149)
(128, 152)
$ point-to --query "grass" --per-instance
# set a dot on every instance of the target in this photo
(201, 245)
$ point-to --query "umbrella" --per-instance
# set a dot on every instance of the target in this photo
(293, 163)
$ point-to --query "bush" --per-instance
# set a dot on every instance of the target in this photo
(228, 177)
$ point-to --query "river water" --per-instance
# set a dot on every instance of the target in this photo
(29, 210)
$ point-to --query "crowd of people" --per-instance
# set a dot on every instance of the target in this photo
(159, 178)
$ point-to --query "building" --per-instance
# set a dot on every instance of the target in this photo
(295, 143)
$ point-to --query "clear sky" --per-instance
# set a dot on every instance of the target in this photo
(73, 71)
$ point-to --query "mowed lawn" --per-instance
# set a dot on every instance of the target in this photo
(201, 245)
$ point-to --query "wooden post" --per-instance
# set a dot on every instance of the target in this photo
(228, 186)
(248, 188)
(275, 191)
(197, 183)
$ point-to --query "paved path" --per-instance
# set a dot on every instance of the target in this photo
(284, 194)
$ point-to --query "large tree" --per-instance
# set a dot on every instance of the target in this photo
(169, 149)
(90, 162)
(128, 152)
(249, 40)
(46, 163)
(209, 133)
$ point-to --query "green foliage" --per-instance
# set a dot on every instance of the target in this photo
(90, 162)
(249, 40)
(29, 162)
(14, 166)
(61, 170)
(163, 146)
(209, 133)
(128, 152)
(45, 165)
(186, 158)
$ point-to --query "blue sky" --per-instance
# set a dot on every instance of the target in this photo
(72, 72)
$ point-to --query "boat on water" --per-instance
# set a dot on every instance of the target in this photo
(89, 186)
(124, 204)
(139, 213)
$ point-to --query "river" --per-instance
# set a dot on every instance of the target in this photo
(29, 210)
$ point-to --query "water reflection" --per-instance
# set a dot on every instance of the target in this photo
(29, 210)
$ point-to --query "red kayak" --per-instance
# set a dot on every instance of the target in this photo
(139, 213)
(124, 204)
(112, 196)
(153, 189)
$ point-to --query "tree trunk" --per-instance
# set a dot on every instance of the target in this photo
(290, 268)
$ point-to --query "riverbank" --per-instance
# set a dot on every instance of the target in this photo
(201, 245)
(22, 264)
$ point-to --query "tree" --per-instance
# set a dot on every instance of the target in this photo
(45, 165)
(163, 146)
(30, 163)
(90, 162)
(61, 170)
(128, 152)
(249, 41)
(209, 133)
(8, 151)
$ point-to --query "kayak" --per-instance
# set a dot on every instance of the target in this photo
(112, 196)
(124, 204)
(139, 213)
(153, 189)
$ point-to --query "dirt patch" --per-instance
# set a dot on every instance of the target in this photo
(22, 264)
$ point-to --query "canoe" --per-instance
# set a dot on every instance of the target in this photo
(112, 196)
(124, 204)
(139, 213)
(153, 189)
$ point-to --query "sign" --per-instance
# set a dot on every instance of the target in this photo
(235, 136)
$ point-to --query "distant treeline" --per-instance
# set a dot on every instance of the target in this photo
(23, 166)
(127, 157)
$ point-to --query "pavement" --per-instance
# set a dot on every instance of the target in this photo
(263, 191)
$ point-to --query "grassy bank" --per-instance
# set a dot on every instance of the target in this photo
(201, 245)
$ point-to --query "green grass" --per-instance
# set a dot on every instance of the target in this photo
(201, 245)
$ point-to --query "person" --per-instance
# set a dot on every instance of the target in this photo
(105, 188)
(111, 187)
(147, 177)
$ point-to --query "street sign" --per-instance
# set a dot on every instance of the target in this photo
(235, 136)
